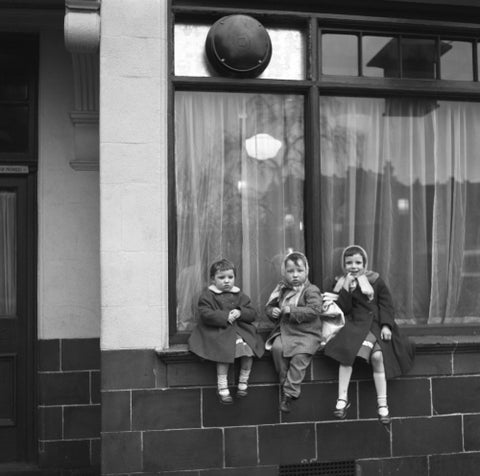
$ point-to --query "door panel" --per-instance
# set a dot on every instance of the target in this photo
(16, 324)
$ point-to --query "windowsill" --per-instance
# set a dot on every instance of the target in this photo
(424, 344)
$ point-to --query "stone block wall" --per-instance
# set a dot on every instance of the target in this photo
(161, 415)
(69, 410)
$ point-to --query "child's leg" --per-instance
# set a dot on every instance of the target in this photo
(342, 405)
(281, 363)
(344, 375)
(296, 374)
(380, 383)
(245, 368)
(222, 383)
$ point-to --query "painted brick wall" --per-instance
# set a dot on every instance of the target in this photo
(69, 411)
(161, 415)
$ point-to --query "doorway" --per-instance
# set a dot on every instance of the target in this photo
(17, 317)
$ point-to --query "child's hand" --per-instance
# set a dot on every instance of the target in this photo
(348, 281)
(276, 312)
(233, 315)
(386, 333)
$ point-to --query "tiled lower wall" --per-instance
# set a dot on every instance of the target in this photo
(161, 415)
(69, 410)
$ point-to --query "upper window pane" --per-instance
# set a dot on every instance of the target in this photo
(380, 56)
(339, 54)
(457, 60)
(419, 58)
(239, 164)
(287, 62)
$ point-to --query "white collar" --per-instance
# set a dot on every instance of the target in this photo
(214, 289)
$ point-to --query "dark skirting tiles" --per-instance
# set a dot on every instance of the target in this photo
(466, 464)
(456, 395)
(116, 411)
(316, 403)
(182, 449)
(241, 446)
(65, 454)
(259, 407)
(406, 397)
(471, 432)
(61, 388)
(347, 440)
(286, 444)
(80, 354)
(416, 466)
(121, 452)
(425, 436)
(49, 355)
(50, 420)
(81, 421)
(164, 409)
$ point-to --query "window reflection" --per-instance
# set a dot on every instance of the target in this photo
(380, 56)
(419, 58)
(339, 54)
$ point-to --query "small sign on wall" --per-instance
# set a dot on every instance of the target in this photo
(13, 169)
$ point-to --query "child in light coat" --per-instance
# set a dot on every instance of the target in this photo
(294, 306)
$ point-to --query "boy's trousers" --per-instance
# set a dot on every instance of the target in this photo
(291, 370)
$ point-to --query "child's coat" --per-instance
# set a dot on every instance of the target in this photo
(214, 338)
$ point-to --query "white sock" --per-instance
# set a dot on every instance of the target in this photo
(222, 385)
(243, 379)
(382, 405)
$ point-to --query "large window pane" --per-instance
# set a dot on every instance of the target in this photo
(239, 180)
(401, 177)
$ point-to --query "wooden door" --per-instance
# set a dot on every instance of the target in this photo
(17, 326)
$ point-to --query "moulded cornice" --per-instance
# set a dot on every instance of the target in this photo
(82, 39)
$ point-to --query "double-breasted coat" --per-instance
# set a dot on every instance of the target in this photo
(301, 330)
(362, 316)
(214, 337)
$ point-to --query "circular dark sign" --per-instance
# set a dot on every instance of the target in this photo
(238, 45)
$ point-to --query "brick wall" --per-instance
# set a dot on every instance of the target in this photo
(69, 411)
(161, 416)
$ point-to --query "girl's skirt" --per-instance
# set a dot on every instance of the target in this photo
(242, 349)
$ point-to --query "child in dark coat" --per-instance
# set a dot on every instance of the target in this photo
(294, 306)
(225, 329)
(370, 331)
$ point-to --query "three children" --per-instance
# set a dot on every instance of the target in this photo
(225, 330)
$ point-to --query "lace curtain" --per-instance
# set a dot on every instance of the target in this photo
(8, 254)
(401, 177)
(239, 190)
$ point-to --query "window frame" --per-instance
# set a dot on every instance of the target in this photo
(312, 87)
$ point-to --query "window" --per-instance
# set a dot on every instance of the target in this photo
(371, 138)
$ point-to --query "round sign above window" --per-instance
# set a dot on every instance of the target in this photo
(238, 45)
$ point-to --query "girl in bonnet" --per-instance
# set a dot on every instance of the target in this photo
(370, 331)
(294, 306)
